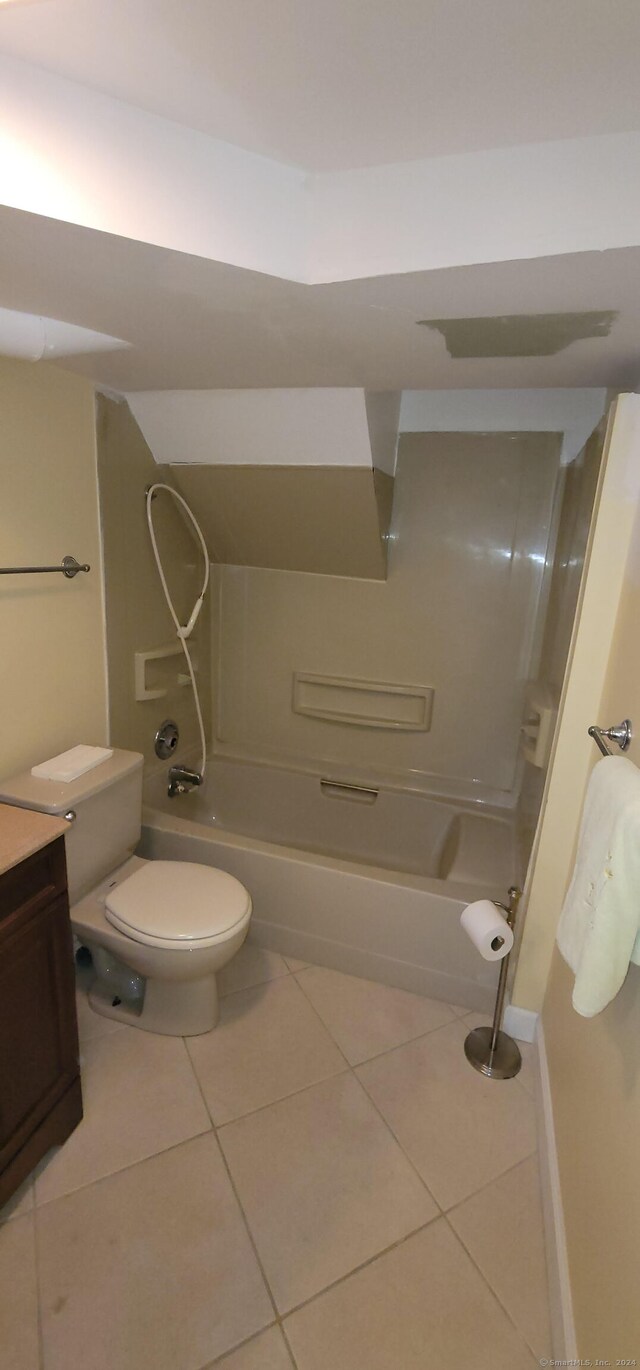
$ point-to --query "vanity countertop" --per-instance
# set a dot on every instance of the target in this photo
(23, 832)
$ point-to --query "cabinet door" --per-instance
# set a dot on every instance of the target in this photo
(38, 1031)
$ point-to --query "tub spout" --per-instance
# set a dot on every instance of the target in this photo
(181, 780)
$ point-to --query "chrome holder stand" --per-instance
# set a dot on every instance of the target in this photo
(488, 1049)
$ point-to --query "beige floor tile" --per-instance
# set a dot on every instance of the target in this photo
(252, 965)
(295, 965)
(421, 1306)
(266, 1352)
(150, 1267)
(529, 1072)
(460, 1129)
(19, 1348)
(20, 1203)
(140, 1097)
(366, 1018)
(269, 1042)
(501, 1228)
(473, 1019)
(324, 1186)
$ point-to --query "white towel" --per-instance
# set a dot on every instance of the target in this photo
(599, 928)
(67, 766)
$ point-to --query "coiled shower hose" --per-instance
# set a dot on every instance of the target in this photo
(183, 633)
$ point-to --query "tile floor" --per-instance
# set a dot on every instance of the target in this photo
(321, 1183)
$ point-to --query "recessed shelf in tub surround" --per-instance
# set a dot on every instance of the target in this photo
(142, 689)
(363, 703)
(540, 714)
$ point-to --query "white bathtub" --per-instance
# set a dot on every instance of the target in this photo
(367, 880)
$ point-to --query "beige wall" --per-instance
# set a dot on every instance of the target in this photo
(327, 519)
(594, 1067)
(470, 521)
(137, 616)
(580, 704)
(52, 663)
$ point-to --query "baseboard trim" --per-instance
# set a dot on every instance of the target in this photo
(520, 1023)
(563, 1335)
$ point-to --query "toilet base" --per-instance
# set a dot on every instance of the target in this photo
(183, 1008)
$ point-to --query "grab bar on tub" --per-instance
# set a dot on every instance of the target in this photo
(621, 733)
(343, 789)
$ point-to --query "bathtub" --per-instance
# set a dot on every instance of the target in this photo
(365, 879)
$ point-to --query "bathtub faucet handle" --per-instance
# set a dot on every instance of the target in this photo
(182, 779)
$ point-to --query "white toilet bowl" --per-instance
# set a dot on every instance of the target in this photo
(158, 932)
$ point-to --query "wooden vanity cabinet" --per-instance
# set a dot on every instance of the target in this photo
(40, 1094)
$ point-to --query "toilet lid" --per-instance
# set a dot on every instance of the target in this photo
(177, 903)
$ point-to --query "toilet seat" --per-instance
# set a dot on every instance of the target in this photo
(180, 905)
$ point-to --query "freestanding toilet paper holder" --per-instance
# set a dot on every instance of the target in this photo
(488, 1049)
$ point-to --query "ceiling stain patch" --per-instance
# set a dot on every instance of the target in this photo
(520, 335)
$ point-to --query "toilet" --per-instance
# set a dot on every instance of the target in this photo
(158, 931)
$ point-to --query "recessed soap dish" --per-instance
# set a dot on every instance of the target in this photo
(140, 659)
(541, 712)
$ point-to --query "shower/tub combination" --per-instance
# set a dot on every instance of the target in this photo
(366, 878)
(354, 758)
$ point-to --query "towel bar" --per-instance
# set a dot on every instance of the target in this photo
(620, 733)
(69, 568)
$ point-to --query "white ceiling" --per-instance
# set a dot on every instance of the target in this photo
(198, 324)
(339, 84)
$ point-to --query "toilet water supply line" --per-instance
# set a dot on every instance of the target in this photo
(183, 633)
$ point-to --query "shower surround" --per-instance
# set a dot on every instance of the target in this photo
(364, 759)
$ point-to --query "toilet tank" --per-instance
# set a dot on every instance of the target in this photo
(107, 802)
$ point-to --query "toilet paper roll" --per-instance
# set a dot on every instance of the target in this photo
(488, 929)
